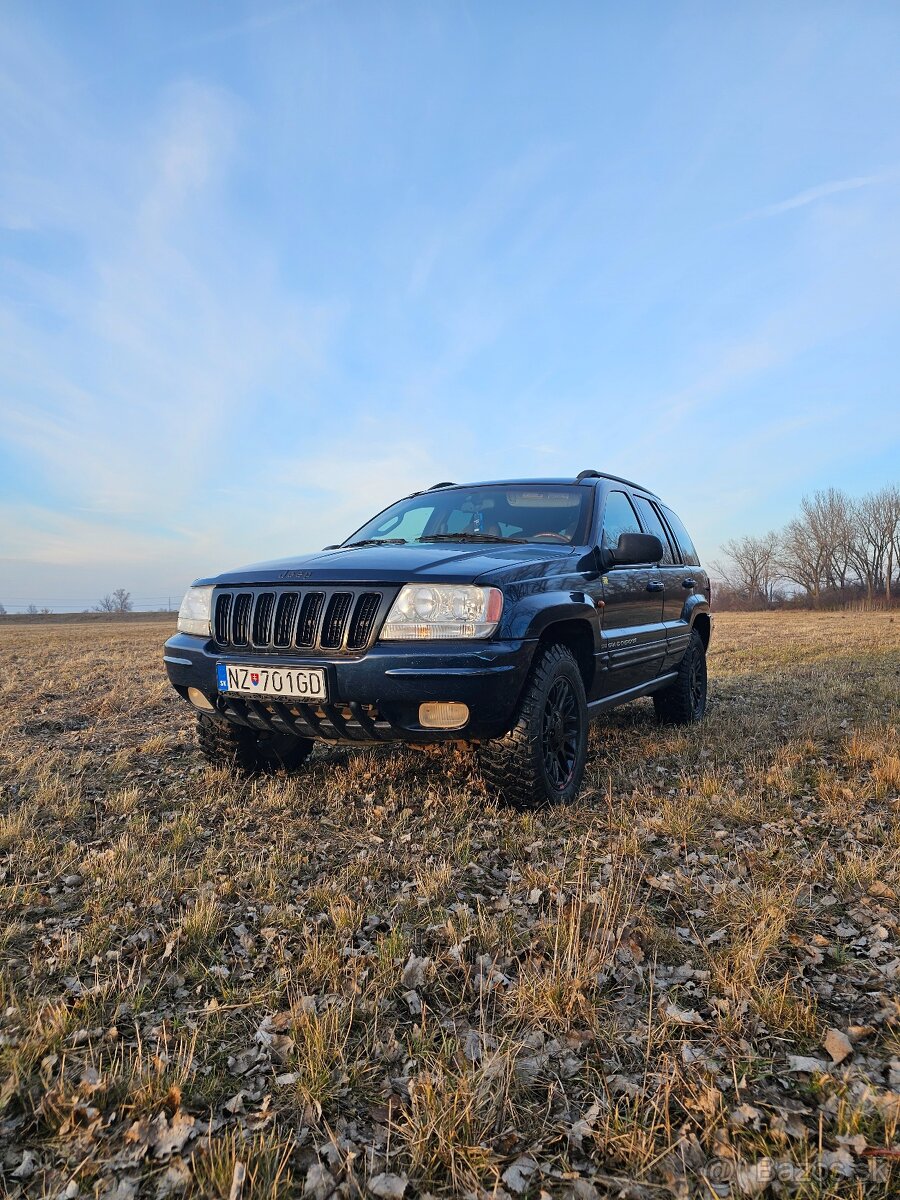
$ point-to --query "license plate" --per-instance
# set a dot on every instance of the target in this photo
(298, 683)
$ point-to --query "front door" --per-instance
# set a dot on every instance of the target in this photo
(634, 639)
(676, 580)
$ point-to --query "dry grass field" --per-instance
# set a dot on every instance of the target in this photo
(368, 979)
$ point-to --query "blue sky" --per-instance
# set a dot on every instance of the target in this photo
(264, 268)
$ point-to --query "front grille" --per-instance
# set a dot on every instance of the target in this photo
(298, 620)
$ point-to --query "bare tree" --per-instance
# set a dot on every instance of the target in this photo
(829, 518)
(890, 508)
(118, 602)
(872, 540)
(802, 558)
(122, 600)
(32, 610)
(2, 611)
(750, 569)
(817, 547)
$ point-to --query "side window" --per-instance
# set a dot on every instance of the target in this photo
(652, 524)
(618, 518)
(683, 538)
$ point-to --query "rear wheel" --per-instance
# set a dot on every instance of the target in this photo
(237, 747)
(683, 702)
(541, 760)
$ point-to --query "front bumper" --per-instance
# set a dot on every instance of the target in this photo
(372, 697)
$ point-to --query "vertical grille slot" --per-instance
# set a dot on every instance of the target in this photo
(240, 622)
(363, 619)
(310, 611)
(285, 615)
(262, 619)
(223, 618)
(336, 620)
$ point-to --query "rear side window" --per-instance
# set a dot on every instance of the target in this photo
(683, 538)
(618, 518)
(652, 524)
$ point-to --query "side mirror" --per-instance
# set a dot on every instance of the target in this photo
(634, 548)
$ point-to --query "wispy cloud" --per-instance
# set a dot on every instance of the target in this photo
(820, 192)
(255, 24)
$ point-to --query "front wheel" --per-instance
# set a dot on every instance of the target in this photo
(683, 702)
(541, 760)
(245, 750)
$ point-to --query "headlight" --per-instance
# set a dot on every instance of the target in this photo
(443, 611)
(194, 614)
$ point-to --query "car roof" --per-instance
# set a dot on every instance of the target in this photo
(594, 478)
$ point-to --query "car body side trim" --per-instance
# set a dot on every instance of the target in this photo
(643, 689)
(436, 672)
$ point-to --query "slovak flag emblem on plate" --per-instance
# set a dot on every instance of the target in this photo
(254, 678)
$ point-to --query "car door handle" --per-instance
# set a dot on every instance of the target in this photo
(689, 583)
(654, 586)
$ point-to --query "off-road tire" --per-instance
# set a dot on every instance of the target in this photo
(515, 766)
(239, 748)
(683, 702)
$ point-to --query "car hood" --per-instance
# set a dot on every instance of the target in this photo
(444, 563)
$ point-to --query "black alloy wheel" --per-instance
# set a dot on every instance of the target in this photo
(559, 735)
(697, 686)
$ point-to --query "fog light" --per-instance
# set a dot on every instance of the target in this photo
(198, 700)
(439, 714)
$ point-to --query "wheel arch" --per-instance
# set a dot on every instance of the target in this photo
(702, 622)
(576, 634)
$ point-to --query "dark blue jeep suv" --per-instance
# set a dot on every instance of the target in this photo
(503, 615)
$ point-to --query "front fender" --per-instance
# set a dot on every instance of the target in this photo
(533, 614)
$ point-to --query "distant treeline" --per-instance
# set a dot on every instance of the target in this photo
(89, 616)
(838, 551)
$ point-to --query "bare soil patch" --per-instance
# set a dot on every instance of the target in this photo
(369, 979)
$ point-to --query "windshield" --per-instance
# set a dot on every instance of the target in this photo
(542, 513)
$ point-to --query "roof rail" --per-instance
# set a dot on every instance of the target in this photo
(447, 483)
(589, 474)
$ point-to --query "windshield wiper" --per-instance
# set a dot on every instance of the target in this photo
(467, 537)
(374, 542)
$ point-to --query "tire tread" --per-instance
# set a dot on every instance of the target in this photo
(673, 704)
(507, 763)
(234, 747)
